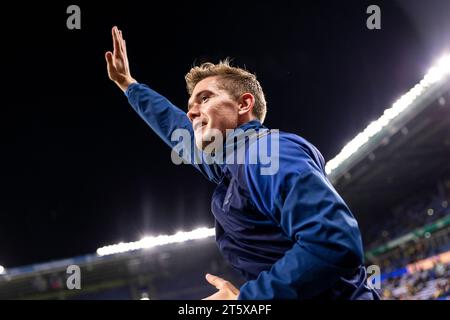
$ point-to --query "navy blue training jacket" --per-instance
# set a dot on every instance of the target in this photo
(289, 234)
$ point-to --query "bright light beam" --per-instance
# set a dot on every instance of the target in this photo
(150, 242)
(434, 75)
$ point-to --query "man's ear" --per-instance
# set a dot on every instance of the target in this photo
(246, 103)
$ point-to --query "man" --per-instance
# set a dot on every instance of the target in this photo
(289, 233)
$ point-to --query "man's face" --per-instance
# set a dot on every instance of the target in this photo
(211, 107)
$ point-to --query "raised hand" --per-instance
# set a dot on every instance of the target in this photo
(117, 61)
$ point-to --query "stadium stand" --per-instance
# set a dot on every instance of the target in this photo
(398, 185)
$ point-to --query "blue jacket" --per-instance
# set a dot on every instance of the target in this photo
(290, 234)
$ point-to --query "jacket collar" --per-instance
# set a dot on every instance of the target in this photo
(251, 125)
(254, 124)
(233, 141)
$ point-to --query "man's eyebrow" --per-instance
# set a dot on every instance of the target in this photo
(196, 97)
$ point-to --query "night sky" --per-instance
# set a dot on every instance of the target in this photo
(79, 169)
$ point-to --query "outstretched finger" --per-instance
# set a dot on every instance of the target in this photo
(124, 46)
(215, 281)
(113, 33)
(121, 42)
(116, 42)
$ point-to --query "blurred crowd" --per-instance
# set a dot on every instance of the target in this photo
(413, 250)
(431, 284)
(402, 222)
(409, 216)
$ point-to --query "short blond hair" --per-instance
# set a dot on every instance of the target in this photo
(236, 81)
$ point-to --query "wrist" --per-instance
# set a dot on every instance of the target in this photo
(125, 83)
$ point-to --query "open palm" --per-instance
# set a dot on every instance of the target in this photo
(117, 61)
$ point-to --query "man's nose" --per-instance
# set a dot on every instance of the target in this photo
(193, 112)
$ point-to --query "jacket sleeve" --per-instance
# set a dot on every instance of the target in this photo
(326, 242)
(164, 118)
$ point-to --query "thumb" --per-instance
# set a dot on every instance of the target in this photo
(109, 58)
(215, 281)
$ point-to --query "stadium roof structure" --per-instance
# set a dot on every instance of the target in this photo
(404, 151)
(174, 271)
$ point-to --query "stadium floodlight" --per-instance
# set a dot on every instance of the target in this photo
(2, 270)
(437, 73)
(144, 296)
(150, 242)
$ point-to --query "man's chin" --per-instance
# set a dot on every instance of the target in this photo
(202, 144)
(208, 137)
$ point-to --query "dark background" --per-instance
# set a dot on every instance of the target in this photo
(79, 169)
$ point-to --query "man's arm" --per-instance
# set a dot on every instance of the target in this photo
(157, 111)
(325, 235)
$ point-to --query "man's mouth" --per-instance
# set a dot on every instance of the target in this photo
(199, 125)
